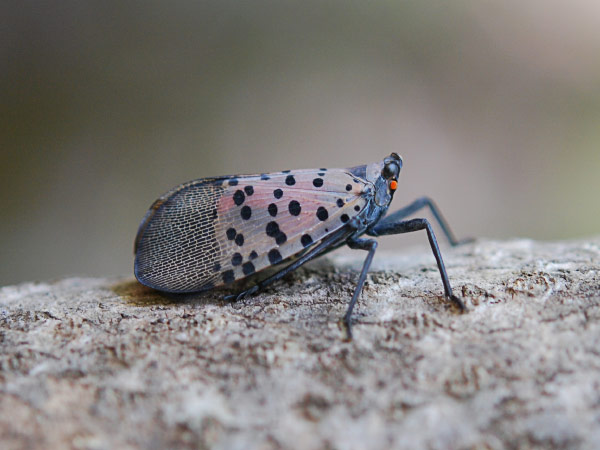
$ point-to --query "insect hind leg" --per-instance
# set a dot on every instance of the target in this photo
(418, 204)
(359, 244)
(408, 226)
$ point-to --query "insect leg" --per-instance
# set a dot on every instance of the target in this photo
(421, 203)
(339, 236)
(408, 226)
(359, 244)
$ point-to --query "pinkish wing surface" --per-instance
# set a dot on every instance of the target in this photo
(212, 232)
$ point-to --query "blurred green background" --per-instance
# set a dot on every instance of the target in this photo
(495, 107)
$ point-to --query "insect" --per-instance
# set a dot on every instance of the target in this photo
(214, 231)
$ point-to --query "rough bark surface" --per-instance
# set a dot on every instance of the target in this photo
(97, 363)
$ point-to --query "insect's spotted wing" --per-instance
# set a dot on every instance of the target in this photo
(211, 232)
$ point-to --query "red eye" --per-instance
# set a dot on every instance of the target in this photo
(393, 185)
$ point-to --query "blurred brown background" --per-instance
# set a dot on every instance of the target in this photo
(495, 107)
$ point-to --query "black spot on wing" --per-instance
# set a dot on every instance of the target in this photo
(294, 208)
(272, 210)
(239, 239)
(280, 238)
(239, 197)
(248, 268)
(274, 256)
(236, 259)
(231, 234)
(322, 214)
(306, 240)
(246, 212)
(272, 229)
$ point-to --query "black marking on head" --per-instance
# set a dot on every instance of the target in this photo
(239, 197)
(228, 277)
(323, 169)
(340, 202)
(306, 240)
(357, 208)
(348, 187)
(253, 255)
(278, 193)
(322, 214)
(272, 229)
(231, 234)
(264, 177)
(355, 180)
(290, 180)
(274, 256)
(249, 190)
(248, 268)
(286, 171)
(236, 259)
(318, 182)
(294, 208)
(344, 218)
(272, 209)
(280, 238)
(233, 182)
(246, 212)
(217, 267)
(239, 239)
(321, 174)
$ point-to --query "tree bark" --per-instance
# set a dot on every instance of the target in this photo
(105, 363)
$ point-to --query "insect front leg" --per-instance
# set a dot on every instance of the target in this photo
(408, 226)
(359, 244)
(421, 203)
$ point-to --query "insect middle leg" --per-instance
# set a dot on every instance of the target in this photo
(408, 226)
(359, 244)
(421, 203)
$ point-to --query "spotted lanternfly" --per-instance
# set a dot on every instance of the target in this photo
(214, 231)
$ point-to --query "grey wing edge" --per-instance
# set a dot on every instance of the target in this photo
(155, 218)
